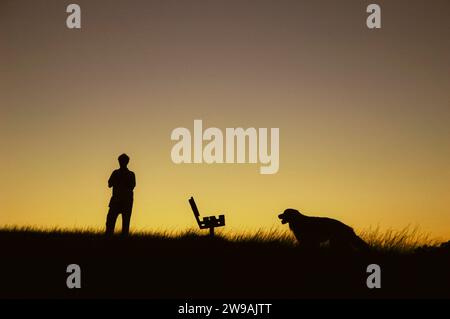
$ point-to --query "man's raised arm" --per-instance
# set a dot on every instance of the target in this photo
(133, 180)
(111, 180)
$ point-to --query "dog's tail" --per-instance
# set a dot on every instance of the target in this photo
(360, 244)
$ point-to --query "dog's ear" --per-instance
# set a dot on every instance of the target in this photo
(299, 214)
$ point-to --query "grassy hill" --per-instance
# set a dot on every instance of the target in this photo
(33, 265)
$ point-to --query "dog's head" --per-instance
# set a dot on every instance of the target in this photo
(289, 215)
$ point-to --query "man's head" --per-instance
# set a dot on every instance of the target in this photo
(123, 160)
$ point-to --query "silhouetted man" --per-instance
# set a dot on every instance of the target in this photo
(122, 181)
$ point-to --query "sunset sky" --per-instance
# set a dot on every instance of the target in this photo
(364, 115)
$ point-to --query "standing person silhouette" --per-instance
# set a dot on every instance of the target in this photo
(122, 181)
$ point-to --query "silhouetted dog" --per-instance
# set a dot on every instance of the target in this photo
(313, 231)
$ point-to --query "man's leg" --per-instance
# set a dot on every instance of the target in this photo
(111, 220)
(126, 216)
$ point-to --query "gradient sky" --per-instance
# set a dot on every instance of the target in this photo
(364, 115)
